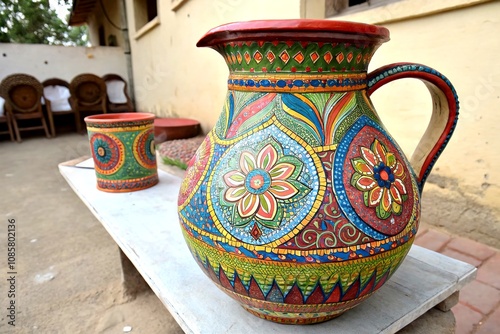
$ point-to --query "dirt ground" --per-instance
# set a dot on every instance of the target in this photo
(68, 276)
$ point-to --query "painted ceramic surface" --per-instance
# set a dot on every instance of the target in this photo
(299, 204)
(124, 153)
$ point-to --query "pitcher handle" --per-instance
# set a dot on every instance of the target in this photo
(444, 114)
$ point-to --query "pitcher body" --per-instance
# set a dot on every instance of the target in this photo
(299, 204)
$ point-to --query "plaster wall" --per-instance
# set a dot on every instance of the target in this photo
(459, 38)
(49, 61)
(463, 191)
(107, 18)
(175, 78)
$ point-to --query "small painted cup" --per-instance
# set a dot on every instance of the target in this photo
(123, 150)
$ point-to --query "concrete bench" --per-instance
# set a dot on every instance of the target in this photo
(145, 226)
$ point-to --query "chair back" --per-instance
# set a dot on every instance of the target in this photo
(22, 92)
(57, 92)
(118, 97)
(2, 110)
(88, 89)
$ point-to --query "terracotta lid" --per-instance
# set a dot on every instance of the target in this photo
(303, 29)
(175, 128)
(174, 122)
(117, 117)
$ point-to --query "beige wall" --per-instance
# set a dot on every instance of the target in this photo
(460, 38)
(48, 61)
(174, 77)
(98, 18)
(463, 191)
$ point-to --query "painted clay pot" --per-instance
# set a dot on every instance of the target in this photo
(123, 150)
(299, 204)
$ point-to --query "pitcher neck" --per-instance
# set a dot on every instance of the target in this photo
(294, 65)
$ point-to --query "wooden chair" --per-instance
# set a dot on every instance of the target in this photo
(57, 101)
(118, 98)
(5, 118)
(23, 94)
(88, 95)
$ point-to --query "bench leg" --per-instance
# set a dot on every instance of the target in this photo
(449, 302)
(133, 282)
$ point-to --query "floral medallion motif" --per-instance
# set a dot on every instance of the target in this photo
(259, 182)
(144, 149)
(108, 152)
(379, 175)
(373, 185)
(264, 188)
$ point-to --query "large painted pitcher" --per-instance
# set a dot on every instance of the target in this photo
(299, 204)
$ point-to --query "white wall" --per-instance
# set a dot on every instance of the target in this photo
(48, 61)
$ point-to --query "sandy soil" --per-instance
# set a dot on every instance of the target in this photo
(68, 268)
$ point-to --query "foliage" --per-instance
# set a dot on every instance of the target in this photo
(27, 21)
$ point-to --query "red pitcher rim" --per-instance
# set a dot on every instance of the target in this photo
(293, 29)
(128, 116)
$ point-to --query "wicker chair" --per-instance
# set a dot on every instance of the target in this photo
(57, 101)
(88, 95)
(5, 118)
(23, 94)
(118, 99)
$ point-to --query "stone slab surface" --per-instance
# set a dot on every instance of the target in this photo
(144, 225)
